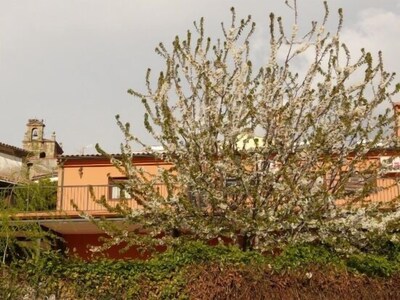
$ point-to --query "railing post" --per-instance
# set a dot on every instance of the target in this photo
(61, 193)
(27, 198)
(87, 198)
(62, 184)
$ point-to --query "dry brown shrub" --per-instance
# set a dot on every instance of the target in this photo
(214, 282)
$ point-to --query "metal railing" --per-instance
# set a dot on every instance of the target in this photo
(84, 198)
(66, 198)
(388, 189)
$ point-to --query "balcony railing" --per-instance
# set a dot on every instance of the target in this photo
(66, 198)
(83, 198)
(387, 190)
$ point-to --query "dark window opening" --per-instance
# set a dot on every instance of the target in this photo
(231, 181)
(42, 155)
(360, 182)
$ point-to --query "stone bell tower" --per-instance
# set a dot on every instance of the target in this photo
(35, 142)
(42, 159)
(34, 136)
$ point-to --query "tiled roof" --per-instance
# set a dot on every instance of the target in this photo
(139, 153)
(12, 150)
(7, 179)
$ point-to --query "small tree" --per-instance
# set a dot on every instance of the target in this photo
(21, 240)
(30, 196)
(262, 153)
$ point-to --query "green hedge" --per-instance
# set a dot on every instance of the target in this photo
(166, 275)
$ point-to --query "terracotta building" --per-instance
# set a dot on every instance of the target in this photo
(81, 178)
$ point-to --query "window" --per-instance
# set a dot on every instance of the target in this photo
(231, 181)
(359, 182)
(119, 188)
(390, 164)
(195, 197)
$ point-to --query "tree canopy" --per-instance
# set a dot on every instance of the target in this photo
(261, 152)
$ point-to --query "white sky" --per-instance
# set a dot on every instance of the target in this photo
(70, 62)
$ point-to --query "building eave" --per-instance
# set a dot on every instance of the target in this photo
(14, 151)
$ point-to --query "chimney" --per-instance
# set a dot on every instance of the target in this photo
(396, 109)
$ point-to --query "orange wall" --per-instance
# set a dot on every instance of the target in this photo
(96, 171)
(78, 173)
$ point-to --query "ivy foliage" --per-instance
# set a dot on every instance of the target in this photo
(167, 275)
(305, 254)
(163, 276)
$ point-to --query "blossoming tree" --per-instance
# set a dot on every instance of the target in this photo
(259, 154)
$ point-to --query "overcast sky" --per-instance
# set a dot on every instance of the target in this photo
(70, 62)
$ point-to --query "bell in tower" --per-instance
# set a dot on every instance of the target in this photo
(33, 139)
(34, 131)
(43, 152)
(36, 143)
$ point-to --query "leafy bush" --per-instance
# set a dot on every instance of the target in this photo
(32, 196)
(19, 240)
(304, 254)
(36, 196)
(10, 285)
(197, 252)
(168, 275)
(162, 277)
(372, 265)
(389, 249)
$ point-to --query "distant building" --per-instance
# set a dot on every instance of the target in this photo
(36, 159)
(42, 160)
(12, 164)
(83, 179)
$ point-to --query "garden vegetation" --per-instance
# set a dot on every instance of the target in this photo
(261, 156)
